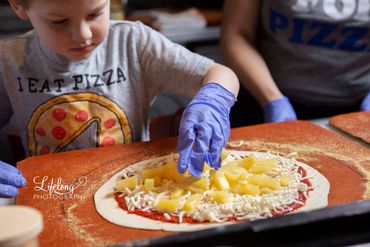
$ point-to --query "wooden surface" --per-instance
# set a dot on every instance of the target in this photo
(73, 220)
(356, 124)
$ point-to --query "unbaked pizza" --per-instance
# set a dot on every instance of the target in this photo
(249, 185)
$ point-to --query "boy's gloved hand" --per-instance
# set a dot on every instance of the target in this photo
(279, 110)
(365, 105)
(10, 179)
(204, 129)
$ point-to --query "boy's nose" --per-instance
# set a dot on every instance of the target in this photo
(82, 32)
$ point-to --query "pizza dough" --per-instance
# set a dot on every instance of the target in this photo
(108, 208)
(356, 124)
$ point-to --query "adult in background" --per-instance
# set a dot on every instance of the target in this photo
(299, 59)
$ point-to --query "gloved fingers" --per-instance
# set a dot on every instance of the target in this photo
(196, 165)
(217, 143)
(203, 135)
(365, 105)
(279, 110)
(9, 168)
(281, 117)
(10, 178)
(186, 131)
(184, 147)
(184, 159)
(200, 150)
(7, 191)
(186, 139)
(223, 127)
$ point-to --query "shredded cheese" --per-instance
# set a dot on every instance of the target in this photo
(239, 206)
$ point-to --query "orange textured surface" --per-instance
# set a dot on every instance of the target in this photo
(356, 124)
(73, 220)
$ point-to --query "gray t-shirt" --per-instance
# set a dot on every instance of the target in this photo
(63, 105)
(318, 50)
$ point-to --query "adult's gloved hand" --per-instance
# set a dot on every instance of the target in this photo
(204, 129)
(365, 105)
(10, 179)
(279, 110)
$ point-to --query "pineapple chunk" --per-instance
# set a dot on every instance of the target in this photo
(284, 180)
(157, 181)
(233, 172)
(260, 168)
(179, 178)
(244, 176)
(130, 183)
(153, 172)
(244, 188)
(262, 180)
(177, 193)
(206, 167)
(195, 190)
(220, 197)
(224, 154)
(213, 187)
(219, 180)
(256, 179)
(200, 185)
(171, 173)
(168, 169)
(273, 184)
(247, 162)
(237, 188)
(168, 205)
(149, 184)
(263, 166)
(192, 202)
(264, 190)
(251, 189)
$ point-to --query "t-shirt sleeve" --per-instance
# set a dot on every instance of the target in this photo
(167, 66)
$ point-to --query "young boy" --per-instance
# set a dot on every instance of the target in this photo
(78, 80)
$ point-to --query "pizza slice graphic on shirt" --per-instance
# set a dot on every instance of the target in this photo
(59, 121)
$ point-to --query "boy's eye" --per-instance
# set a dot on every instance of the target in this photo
(93, 15)
(59, 22)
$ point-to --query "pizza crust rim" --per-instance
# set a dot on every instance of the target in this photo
(108, 208)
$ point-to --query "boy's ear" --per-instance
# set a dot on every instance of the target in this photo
(19, 9)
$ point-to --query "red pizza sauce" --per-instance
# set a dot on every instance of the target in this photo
(155, 215)
(301, 198)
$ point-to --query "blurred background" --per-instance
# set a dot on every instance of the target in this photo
(193, 24)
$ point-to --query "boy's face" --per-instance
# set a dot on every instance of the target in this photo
(71, 28)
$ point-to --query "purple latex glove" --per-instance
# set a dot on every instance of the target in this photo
(279, 110)
(10, 180)
(204, 129)
(365, 105)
